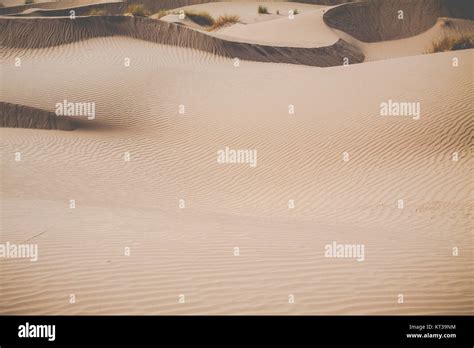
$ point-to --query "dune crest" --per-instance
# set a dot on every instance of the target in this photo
(31, 33)
(181, 157)
(374, 21)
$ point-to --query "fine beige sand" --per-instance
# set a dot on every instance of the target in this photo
(306, 29)
(190, 251)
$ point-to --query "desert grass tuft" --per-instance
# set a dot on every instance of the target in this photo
(263, 10)
(161, 14)
(201, 18)
(138, 10)
(224, 20)
(452, 43)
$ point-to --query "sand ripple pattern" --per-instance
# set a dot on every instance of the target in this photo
(374, 21)
(37, 33)
(135, 204)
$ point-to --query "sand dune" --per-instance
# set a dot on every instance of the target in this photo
(247, 11)
(63, 4)
(188, 249)
(175, 19)
(173, 157)
(30, 33)
(304, 30)
(374, 21)
(109, 7)
(152, 5)
(246, 8)
(10, 3)
(415, 45)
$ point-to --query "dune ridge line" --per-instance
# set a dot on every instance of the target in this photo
(31, 33)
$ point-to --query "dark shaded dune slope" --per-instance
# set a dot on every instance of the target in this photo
(20, 116)
(377, 20)
(34, 33)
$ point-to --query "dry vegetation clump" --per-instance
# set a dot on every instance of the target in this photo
(263, 10)
(452, 43)
(201, 18)
(224, 20)
(138, 10)
(161, 14)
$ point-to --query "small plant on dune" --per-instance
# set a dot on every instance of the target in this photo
(278, 12)
(444, 22)
(263, 10)
(161, 14)
(295, 11)
(452, 43)
(138, 10)
(224, 20)
(96, 12)
(201, 18)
